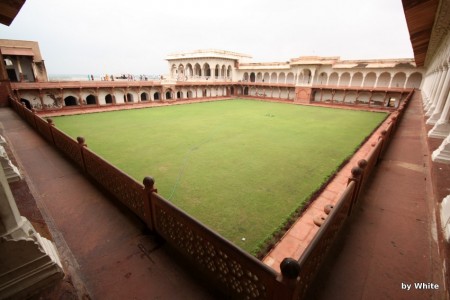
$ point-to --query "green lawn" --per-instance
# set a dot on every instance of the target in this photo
(240, 166)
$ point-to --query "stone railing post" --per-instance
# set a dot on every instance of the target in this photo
(290, 270)
(381, 139)
(356, 177)
(51, 125)
(149, 187)
(82, 144)
(362, 164)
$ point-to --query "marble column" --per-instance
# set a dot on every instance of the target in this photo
(442, 96)
(433, 98)
(28, 261)
(442, 127)
(442, 154)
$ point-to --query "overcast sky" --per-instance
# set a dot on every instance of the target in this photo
(134, 36)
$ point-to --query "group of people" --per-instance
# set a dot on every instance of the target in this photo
(123, 76)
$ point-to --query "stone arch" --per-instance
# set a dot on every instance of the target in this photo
(173, 71)
(229, 72)
(189, 94)
(252, 77)
(189, 71)
(109, 99)
(398, 80)
(70, 101)
(217, 71)
(156, 96)
(290, 78)
(179, 95)
(197, 70)
(128, 97)
(281, 77)
(205, 93)
(344, 80)
(273, 77)
(168, 94)
(357, 79)
(259, 77)
(90, 100)
(384, 79)
(323, 77)
(223, 71)
(333, 79)
(370, 79)
(246, 90)
(414, 80)
(305, 76)
(245, 78)
(144, 96)
(206, 70)
(266, 77)
(26, 102)
(180, 70)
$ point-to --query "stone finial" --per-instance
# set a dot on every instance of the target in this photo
(290, 268)
(327, 208)
(362, 163)
(81, 141)
(356, 172)
(149, 182)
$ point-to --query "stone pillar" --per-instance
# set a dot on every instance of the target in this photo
(442, 154)
(428, 88)
(441, 97)
(442, 127)
(433, 98)
(28, 262)
(445, 217)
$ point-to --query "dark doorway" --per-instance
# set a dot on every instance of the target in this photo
(108, 99)
(90, 100)
(26, 102)
(12, 75)
(156, 96)
(70, 101)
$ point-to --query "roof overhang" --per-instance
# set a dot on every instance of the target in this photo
(9, 10)
(420, 17)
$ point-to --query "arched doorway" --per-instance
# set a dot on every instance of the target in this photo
(144, 96)
(179, 94)
(252, 77)
(90, 100)
(245, 90)
(156, 96)
(70, 101)
(108, 99)
(168, 95)
(26, 102)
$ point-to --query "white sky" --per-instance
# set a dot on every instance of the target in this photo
(134, 36)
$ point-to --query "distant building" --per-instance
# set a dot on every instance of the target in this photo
(23, 61)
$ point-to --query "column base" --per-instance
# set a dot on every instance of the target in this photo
(29, 262)
(430, 110)
(445, 217)
(433, 118)
(439, 131)
(442, 154)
